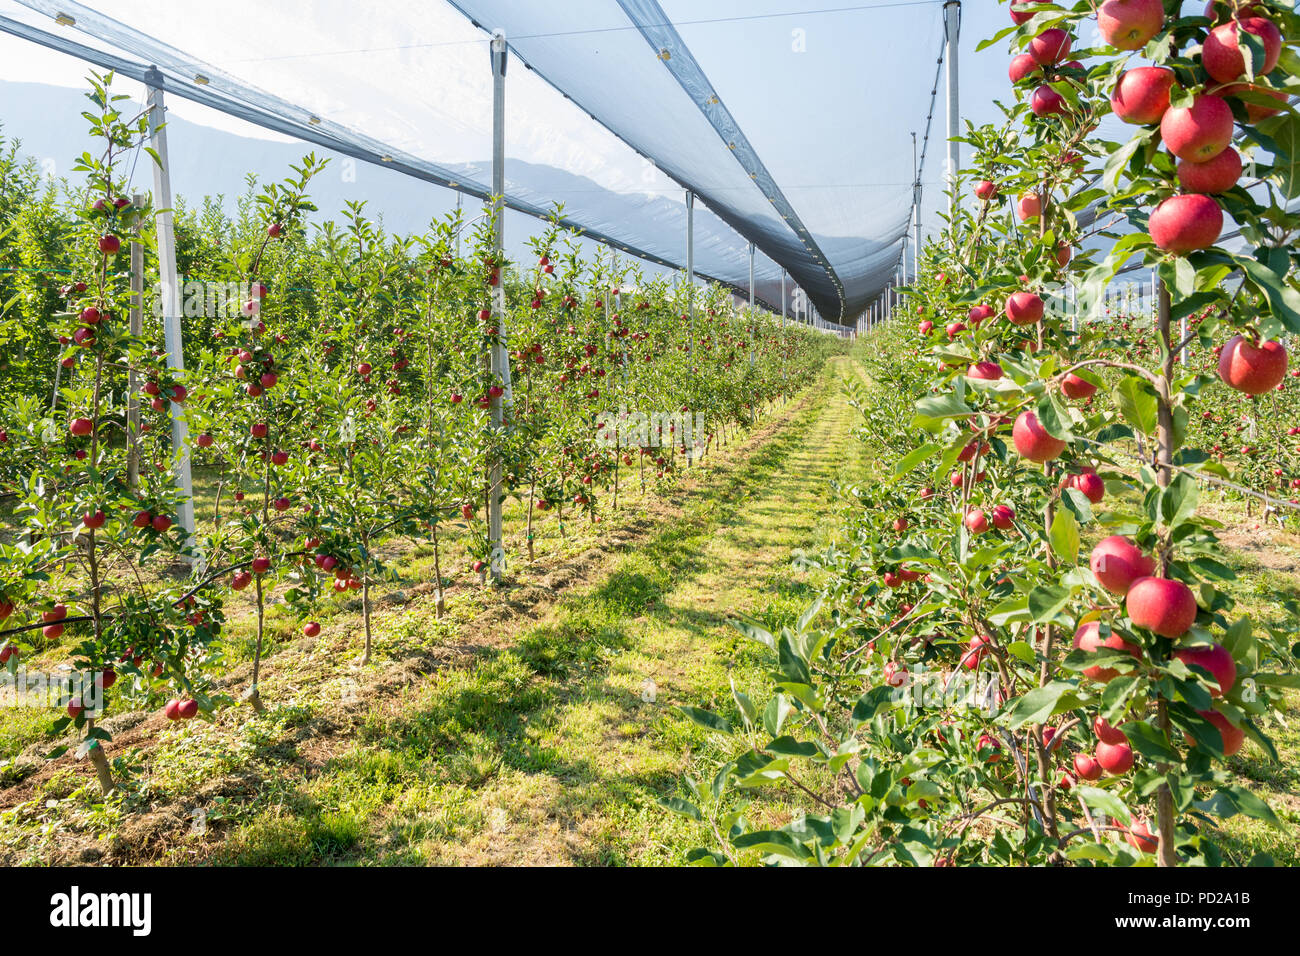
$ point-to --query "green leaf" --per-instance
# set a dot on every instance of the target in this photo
(707, 719)
(774, 841)
(1138, 403)
(1150, 742)
(1284, 131)
(1105, 801)
(872, 703)
(915, 457)
(1064, 535)
(1040, 703)
(681, 806)
(1046, 602)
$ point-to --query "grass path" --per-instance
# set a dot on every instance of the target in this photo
(554, 747)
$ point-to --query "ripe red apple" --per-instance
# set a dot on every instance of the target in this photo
(1019, 15)
(1072, 386)
(161, 523)
(1003, 517)
(142, 519)
(1233, 737)
(94, 519)
(261, 565)
(925, 327)
(274, 230)
(1186, 223)
(1216, 660)
(107, 678)
(109, 245)
(1106, 733)
(1198, 132)
(1090, 483)
(1141, 95)
(1140, 837)
(1117, 562)
(1222, 58)
(1087, 767)
(75, 708)
(204, 440)
(1218, 175)
(900, 524)
(1045, 101)
(976, 650)
(240, 581)
(1161, 605)
(1129, 24)
(81, 427)
(986, 190)
(172, 710)
(1024, 308)
(1049, 47)
(1022, 66)
(187, 709)
(1029, 206)
(258, 430)
(1250, 369)
(955, 329)
(979, 313)
(986, 742)
(1033, 441)
(1115, 759)
(985, 371)
(976, 522)
(1088, 638)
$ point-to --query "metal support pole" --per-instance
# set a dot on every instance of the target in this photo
(952, 30)
(499, 357)
(752, 326)
(170, 297)
(783, 298)
(136, 328)
(690, 269)
(916, 213)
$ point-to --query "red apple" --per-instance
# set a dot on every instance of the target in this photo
(1088, 638)
(1029, 206)
(976, 522)
(204, 440)
(1022, 66)
(1049, 47)
(979, 313)
(1003, 517)
(1129, 24)
(187, 709)
(81, 427)
(1019, 15)
(1045, 101)
(1024, 308)
(261, 565)
(161, 523)
(142, 519)
(1161, 605)
(1033, 441)
(1117, 562)
(986, 190)
(1115, 759)
(976, 650)
(1186, 223)
(1090, 483)
(1217, 175)
(109, 245)
(1141, 838)
(94, 519)
(75, 708)
(1216, 660)
(1250, 369)
(1198, 132)
(925, 327)
(1106, 733)
(1072, 386)
(1141, 95)
(172, 710)
(274, 230)
(985, 371)
(1222, 58)
(1086, 767)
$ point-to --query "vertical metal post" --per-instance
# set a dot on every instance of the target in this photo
(752, 325)
(499, 358)
(690, 269)
(460, 202)
(952, 30)
(783, 298)
(916, 213)
(136, 328)
(170, 293)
